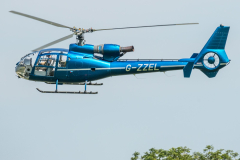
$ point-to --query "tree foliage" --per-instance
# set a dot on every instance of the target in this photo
(183, 153)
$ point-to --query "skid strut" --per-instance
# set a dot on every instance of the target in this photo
(70, 92)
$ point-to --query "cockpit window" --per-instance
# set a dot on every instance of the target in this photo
(62, 61)
(47, 60)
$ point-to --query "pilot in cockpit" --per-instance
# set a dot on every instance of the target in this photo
(48, 61)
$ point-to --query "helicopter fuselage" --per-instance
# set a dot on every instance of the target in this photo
(71, 67)
(78, 68)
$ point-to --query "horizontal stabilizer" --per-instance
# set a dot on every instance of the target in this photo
(194, 55)
(187, 70)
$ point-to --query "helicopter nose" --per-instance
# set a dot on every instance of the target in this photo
(19, 69)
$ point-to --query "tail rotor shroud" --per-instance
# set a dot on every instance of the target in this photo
(211, 60)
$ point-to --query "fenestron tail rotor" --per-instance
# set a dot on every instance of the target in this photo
(80, 32)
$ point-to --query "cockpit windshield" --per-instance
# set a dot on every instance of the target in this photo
(45, 64)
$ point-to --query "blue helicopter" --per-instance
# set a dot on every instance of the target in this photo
(83, 63)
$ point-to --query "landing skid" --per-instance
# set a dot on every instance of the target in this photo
(67, 92)
(90, 83)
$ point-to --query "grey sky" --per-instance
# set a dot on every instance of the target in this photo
(128, 114)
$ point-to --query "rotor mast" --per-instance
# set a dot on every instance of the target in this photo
(80, 34)
(80, 40)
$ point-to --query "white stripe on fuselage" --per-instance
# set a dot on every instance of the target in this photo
(86, 69)
(172, 66)
(83, 69)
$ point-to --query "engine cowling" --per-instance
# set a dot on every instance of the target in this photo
(111, 51)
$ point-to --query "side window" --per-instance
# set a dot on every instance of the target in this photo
(46, 65)
(42, 60)
(47, 60)
(52, 60)
(62, 61)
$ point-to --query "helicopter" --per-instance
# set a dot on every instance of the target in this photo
(83, 63)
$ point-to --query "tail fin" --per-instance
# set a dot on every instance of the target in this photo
(218, 39)
(212, 57)
(216, 44)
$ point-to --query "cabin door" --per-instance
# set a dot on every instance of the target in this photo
(46, 65)
(62, 67)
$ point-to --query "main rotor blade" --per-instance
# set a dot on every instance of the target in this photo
(146, 26)
(40, 19)
(54, 42)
